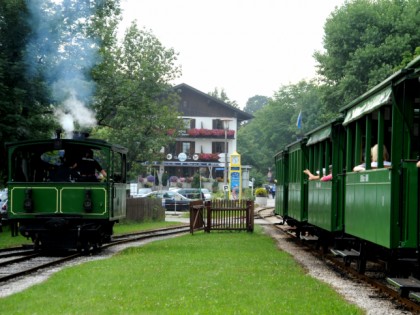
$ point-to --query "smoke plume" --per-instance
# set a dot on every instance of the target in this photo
(61, 54)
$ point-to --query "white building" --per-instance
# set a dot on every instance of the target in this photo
(203, 140)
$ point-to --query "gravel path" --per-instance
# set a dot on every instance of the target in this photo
(362, 295)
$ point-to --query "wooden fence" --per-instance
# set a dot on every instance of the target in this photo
(145, 209)
(222, 215)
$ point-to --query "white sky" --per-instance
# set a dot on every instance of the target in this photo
(246, 47)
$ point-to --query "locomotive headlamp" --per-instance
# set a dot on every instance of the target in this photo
(87, 204)
(28, 203)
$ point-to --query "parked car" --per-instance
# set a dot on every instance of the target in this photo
(3, 211)
(3, 197)
(171, 200)
(207, 194)
(142, 192)
(192, 193)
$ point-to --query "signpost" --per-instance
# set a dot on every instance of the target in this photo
(235, 175)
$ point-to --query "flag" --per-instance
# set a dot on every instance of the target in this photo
(299, 120)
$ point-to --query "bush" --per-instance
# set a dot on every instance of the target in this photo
(261, 192)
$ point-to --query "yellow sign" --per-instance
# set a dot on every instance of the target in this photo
(235, 175)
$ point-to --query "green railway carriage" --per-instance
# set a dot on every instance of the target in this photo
(53, 204)
(326, 147)
(381, 202)
(297, 196)
(282, 183)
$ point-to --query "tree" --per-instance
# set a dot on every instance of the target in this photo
(25, 111)
(274, 126)
(134, 100)
(255, 103)
(364, 43)
(221, 95)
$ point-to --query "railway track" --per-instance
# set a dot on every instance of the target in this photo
(15, 263)
(374, 276)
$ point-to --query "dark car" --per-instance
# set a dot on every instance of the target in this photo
(171, 200)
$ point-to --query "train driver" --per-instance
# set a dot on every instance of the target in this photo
(87, 167)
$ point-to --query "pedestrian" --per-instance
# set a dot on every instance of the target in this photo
(273, 191)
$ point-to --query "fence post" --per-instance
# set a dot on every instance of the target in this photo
(250, 215)
(209, 215)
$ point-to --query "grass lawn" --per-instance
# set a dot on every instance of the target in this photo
(6, 240)
(215, 273)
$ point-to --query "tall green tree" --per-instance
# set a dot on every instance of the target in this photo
(255, 103)
(274, 126)
(134, 98)
(365, 41)
(222, 95)
(25, 111)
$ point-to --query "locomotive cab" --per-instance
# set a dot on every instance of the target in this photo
(55, 201)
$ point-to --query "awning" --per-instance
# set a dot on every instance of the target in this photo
(368, 105)
(319, 136)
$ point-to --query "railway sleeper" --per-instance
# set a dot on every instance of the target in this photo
(405, 285)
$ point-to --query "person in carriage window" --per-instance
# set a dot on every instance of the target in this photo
(87, 167)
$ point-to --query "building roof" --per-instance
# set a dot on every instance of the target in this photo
(218, 107)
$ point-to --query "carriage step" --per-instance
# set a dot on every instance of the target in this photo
(309, 237)
(405, 285)
(415, 296)
(345, 253)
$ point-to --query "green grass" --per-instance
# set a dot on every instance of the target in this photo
(130, 227)
(6, 239)
(216, 273)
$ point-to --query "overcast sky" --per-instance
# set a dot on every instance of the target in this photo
(246, 47)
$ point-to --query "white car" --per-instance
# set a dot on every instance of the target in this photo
(142, 192)
(207, 193)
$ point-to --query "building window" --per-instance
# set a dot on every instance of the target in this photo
(219, 147)
(186, 147)
(217, 124)
(189, 123)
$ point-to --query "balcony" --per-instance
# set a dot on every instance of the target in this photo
(208, 133)
(196, 157)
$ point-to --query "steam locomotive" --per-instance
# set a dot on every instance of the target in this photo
(55, 205)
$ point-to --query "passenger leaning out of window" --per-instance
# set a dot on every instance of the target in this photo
(374, 159)
(324, 178)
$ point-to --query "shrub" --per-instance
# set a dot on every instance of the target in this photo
(261, 192)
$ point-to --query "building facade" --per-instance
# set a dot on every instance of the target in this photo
(210, 125)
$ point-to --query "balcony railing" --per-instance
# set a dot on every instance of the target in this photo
(208, 133)
(196, 157)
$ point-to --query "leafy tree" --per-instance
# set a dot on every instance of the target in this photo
(274, 126)
(24, 102)
(221, 95)
(364, 42)
(134, 102)
(255, 103)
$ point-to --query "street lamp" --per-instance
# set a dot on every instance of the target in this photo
(225, 173)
